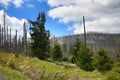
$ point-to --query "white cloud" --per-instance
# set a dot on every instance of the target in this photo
(6, 3)
(30, 5)
(54, 3)
(66, 14)
(104, 24)
(13, 23)
(101, 16)
(17, 3)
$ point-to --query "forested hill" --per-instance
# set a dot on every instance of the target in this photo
(111, 42)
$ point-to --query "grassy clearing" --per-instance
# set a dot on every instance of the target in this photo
(38, 69)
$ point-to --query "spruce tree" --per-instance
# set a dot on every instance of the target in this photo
(84, 59)
(57, 53)
(40, 43)
(102, 61)
(76, 48)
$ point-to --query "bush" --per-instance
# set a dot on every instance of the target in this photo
(107, 66)
(57, 53)
(102, 61)
(112, 78)
(113, 75)
(84, 59)
(16, 55)
(118, 56)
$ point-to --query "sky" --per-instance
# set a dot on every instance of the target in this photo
(64, 17)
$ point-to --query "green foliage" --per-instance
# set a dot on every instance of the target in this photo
(102, 61)
(83, 56)
(9, 74)
(40, 38)
(11, 65)
(117, 67)
(118, 56)
(113, 75)
(76, 48)
(85, 59)
(112, 78)
(57, 53)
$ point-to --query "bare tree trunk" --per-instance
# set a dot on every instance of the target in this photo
(0, 36)
(16, 42)
(84, 31)
(10, 37)
(7, 42)
(7, 34)
(24, 38)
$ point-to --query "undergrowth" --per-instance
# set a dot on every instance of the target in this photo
(36, 69)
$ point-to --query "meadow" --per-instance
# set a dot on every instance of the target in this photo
(17, 67)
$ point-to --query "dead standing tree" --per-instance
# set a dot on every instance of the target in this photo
(0, 35)
(84, 31)
(9, 42)
(24, 39)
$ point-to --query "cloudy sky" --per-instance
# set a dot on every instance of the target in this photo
(64, 17)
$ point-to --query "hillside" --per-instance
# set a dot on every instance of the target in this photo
(95, 41)
(16, 67)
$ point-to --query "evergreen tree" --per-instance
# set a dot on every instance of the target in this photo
(57, 53)
(40, 43)
(84, 59)
(102, 61)
(76, 48)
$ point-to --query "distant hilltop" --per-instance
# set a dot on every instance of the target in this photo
(95, 41)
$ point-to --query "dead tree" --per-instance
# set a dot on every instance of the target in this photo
(16, 41)
(19, 45)
(10, 37)
(84, 31)
(24, 39)
(7, 34)
(4, 30)
(0, 35)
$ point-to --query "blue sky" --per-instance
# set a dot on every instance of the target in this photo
(64, 17)
(30, 9)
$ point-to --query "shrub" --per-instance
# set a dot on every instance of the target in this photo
(118, 56)
(112, 78)
(113, 75)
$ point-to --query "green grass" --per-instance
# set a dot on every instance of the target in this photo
(37, 69)
(9, 74)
